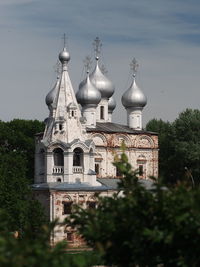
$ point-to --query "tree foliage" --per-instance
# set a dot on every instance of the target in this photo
(179, 144)
(16, 157)
(18, 136)
(143, 227)
(24, 252)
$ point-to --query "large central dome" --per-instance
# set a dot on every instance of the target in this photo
(102, 83)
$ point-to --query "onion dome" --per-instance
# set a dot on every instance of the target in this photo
(64, 56)
(134, 97)
(51, 95)
(101, 82)
(111, 104)
(88, 93)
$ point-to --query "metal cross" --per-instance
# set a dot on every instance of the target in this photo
(97, 46)
(64, 39)
(134, 66)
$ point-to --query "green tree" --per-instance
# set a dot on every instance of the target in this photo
(187, 143)
(16, 197)
(28, 252)
(18, 136)
(179, 144)
(16, 175)
(143, 227)
(166, 146)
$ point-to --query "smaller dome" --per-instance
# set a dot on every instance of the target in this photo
(101, 82)
(88, 93)
(64, 56)
(51, 95)
(111, 104)
(134, 97)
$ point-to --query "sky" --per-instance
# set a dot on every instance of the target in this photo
(164, 37)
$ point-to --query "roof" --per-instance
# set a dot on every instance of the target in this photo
(105, 184)
(109, 182)
(110, 127)
(113, 183)
(70, 187)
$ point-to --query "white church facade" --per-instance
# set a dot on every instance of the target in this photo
(74, 155)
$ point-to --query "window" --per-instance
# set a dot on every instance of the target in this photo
(59, 180)
(72, 113)
(118, 173)
(97, 168)
(69, 236)
(58, 157)
(102, 112)
(141, 171)
(78, 157)
(91, 205)
(60, 127)
(67, 208)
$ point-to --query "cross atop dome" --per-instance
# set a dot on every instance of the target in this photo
(97, 47)
(134, 66)
(64, 40)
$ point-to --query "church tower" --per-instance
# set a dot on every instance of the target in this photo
(103, 84)
(134, 101)
(65, 153)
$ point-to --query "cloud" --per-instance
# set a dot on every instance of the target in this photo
(141, 21)
(162, 35)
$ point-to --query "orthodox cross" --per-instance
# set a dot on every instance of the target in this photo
(64, 39)
(134, 66)
(97, 47)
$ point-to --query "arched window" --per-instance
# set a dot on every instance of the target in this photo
(78, 157)
(58, 157)
(102, 112)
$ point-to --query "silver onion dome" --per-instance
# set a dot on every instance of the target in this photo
(64, 56)
(111, 104)
(134, 97)
(101, 82)
(51, 95)
(88, 93)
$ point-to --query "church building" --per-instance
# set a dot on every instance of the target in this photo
(74, 156)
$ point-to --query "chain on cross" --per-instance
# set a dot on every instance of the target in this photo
(97, 46)
(134, 66)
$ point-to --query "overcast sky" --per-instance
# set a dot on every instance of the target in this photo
(164, 36)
